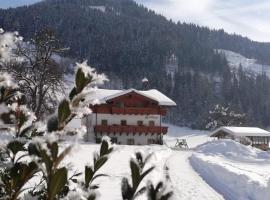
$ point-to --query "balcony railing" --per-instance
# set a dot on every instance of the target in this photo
(138, 111)
(130, 129)
(129, 110)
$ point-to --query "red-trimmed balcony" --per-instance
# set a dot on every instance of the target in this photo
(142, 129)
(130, 129)
(138, 111)
(107, 109)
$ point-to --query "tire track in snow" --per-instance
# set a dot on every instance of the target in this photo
(187, 184)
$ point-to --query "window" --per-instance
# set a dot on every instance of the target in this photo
(104, 122)
(114, 140)
(140, 123)
(151, 141)
(130, 141)
(120, 105)
(151, 123)
(123, 122)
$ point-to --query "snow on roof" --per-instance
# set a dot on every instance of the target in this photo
(144, 79)
(159, 97)
(241, 131)
(99, 95)
(103, 95)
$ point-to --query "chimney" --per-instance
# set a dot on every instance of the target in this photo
(145, 83)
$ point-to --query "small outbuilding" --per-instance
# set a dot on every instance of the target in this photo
(254, 136)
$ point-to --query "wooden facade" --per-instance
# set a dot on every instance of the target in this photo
(129, 115)
(258, 140)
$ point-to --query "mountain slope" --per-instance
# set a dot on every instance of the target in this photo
(129, 42)
(250, 65)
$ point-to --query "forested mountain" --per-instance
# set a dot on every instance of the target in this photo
(129, 42)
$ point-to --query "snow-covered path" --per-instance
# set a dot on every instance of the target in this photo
(187, 184)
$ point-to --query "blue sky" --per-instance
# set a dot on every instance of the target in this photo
(15, 3)
(246, 17)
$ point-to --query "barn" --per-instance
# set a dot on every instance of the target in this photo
(254, 136)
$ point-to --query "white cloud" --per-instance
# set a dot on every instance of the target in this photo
(246, 17)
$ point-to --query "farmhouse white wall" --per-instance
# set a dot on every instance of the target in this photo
(131, 119)
(138, 139)
(91, 120)
(75, 123)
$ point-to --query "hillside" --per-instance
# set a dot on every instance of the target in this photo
(249, 65)
(129, 42)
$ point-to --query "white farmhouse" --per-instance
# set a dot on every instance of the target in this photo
(128, 116)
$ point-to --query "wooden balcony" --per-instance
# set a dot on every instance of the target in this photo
(106, 109)
(130, 129)
(138, 111)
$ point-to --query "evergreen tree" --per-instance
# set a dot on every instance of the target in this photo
(224, 116)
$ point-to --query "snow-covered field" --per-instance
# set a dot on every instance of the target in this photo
(208, 170)
(182, 178)
(193, 137)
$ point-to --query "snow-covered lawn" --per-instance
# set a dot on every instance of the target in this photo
(193, 137)
(183, 180)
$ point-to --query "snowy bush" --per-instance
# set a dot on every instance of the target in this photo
(223, 116)
(138, 173)
(8, 44)
(27, 155)
(15, 117)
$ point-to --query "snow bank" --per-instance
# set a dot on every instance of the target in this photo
(236, 171)
(231, 185)
(233, 150)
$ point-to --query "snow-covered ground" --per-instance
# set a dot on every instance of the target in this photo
(193, 137)
(118, 166)
(236, 171)
(187, 184)
(183, 180)
(209, 170)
